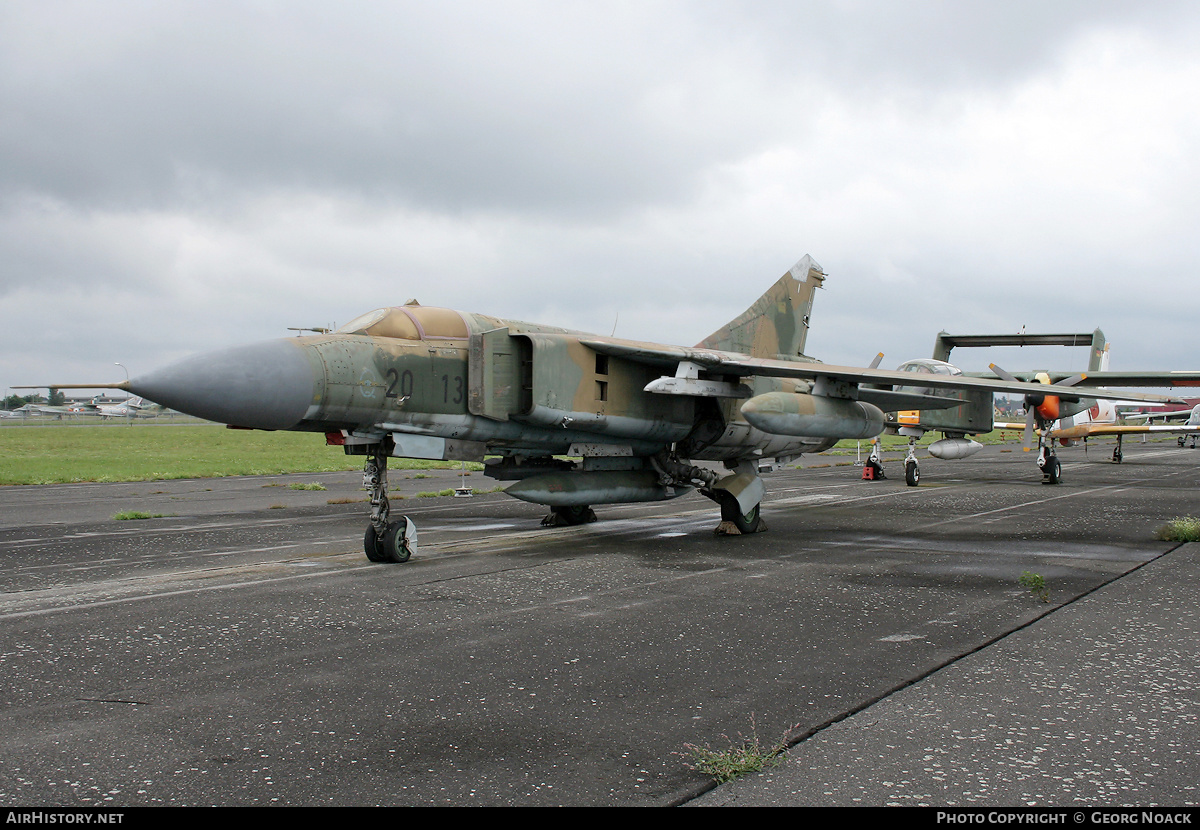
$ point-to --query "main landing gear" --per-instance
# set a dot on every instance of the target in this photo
(731, 514)
(1117, 454)
(912, 470)
(385, 541)
(569, 516)
(740, 498)
(873, 468)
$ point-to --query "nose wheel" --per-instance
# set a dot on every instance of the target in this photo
(1051, 468)
(1047, 461)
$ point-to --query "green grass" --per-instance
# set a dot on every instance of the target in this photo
(312, 485)
(899, 443)
(1186, 529)
(136, 514)
(64, 453)
(737, 759)
(1035, 584)
(146, 452)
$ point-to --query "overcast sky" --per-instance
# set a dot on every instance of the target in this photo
(178, 177)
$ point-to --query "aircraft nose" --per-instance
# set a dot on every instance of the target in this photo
(265, 385)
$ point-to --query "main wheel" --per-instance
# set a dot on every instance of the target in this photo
(1053, 470)
(393, 543)
(744, 522)
(373, 546)
(912, 474)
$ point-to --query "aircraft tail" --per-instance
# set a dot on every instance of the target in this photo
(776, 326)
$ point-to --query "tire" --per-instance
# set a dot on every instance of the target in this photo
(372, 546)
(574, 514)
(912, 474)
(744, 522)
(1053, 470)
(393, 544)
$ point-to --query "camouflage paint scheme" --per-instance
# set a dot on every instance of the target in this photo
(508, 388)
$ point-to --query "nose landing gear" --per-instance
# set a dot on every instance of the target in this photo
(385, 541)
(1049, 465)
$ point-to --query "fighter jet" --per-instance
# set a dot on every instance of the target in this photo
(572, 419)
(135, 407)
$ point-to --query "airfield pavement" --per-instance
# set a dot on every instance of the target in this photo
(240, 649)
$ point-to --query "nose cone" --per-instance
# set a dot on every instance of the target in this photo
(265, 386)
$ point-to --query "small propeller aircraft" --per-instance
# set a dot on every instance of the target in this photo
(572, 419)
(1102, 420)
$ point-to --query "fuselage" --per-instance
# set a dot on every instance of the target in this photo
(493, 386)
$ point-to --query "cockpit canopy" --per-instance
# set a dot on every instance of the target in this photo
(929, 366)
(410, 322)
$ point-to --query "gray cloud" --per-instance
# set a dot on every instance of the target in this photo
(509, 106)
(476, 107)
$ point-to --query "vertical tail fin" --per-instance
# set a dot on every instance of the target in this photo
(776, 326)
(1098, 362)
